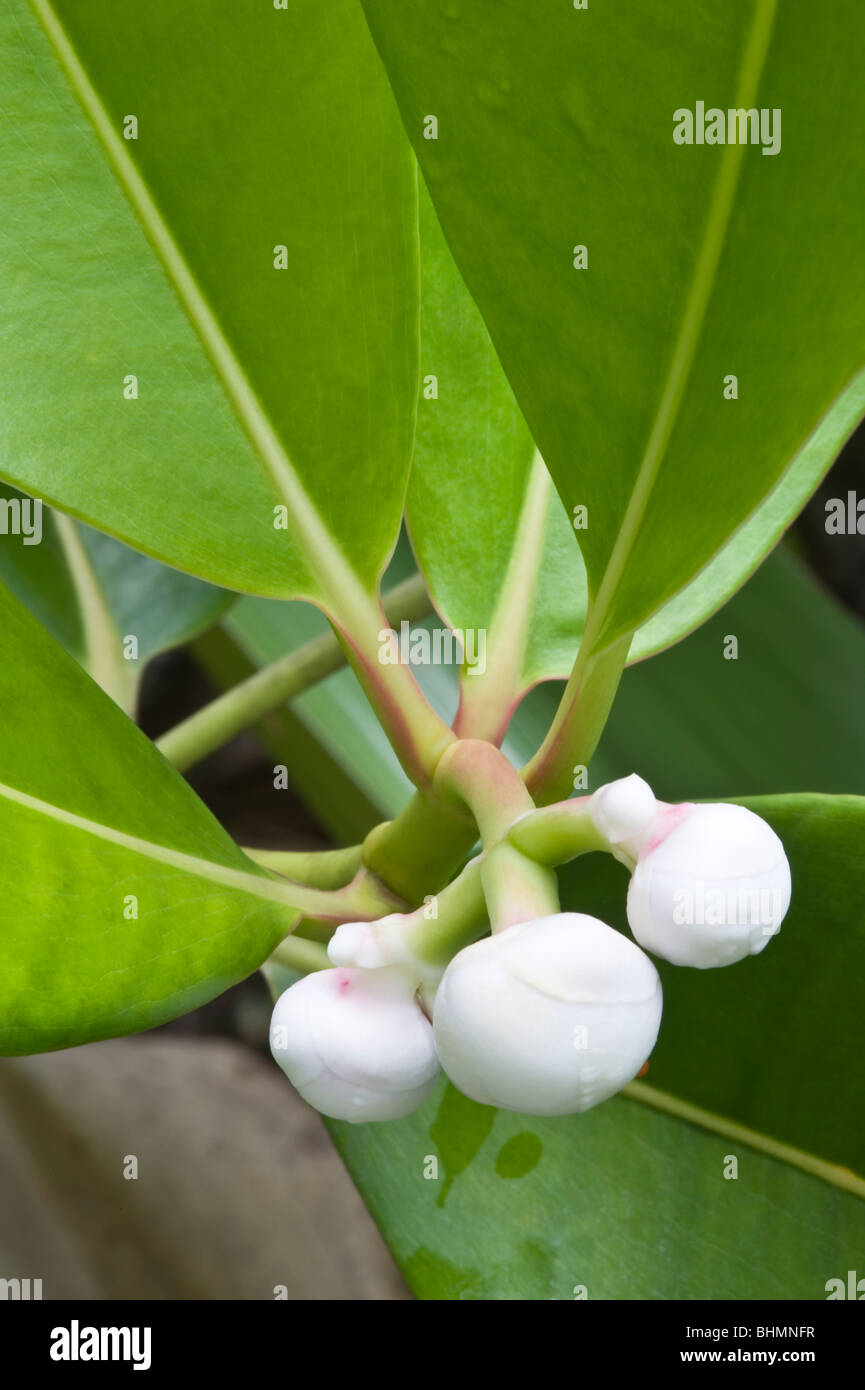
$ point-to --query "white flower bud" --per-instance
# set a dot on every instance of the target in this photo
(358, 943)
(711, 890)
(355, 1043)
(387, 941)
(622, 809)
(547, 1017)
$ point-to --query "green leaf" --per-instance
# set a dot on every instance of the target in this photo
(747, 548)
(625, 1201)
(488, 529)
(497, 550)
(784, 716)
(555, 130)
(34, 565)
(124, 901)
(282, 132)
(756, 1041)
(91, 592)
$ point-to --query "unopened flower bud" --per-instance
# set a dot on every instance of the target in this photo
(355, 1043)
(547, 1017)
(358, 943)
(712, 886)
(623, 809)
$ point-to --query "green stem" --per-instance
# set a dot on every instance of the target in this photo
(554, 834)
(487, 700)
(364, 899)
(416, 733)
(103, 643)
(212, 726)
(323, 868)
(477, 774)
(418, 852)
(575, 732)
(427, 939)
(510, 881)
(516, 888)
(297, 953)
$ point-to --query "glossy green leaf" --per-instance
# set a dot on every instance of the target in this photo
(620, 1203)
(757, 1041)
(784, 716)
(492, 542)
(92, 593)
(281, 133)
(124, 901)
(747, 548)
(489, 531)
(555, 131)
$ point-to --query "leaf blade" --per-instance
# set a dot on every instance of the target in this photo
(324, 432)
(125, 903)
(533, 156)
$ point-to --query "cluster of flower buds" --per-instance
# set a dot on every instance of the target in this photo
(552, 1015)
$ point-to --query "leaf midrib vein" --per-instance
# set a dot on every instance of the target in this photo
(102, 640)
(324, 560)
(177, 859)
(696, 304)
(508, 625)
(831, 1173)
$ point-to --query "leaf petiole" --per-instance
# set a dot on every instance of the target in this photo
(209, 728)
(580, 718)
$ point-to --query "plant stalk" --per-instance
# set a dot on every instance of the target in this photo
(419, 851)
(516, 887)
(209, 728)
(555, 834)
(317, 868)
(575, 732)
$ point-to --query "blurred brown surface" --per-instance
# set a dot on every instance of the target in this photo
(239, 1187)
